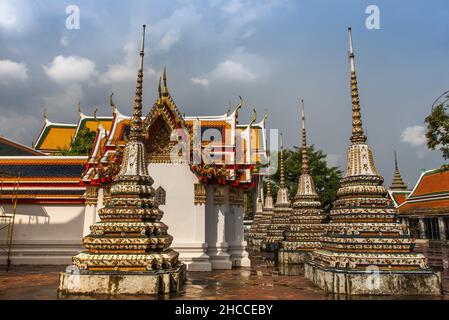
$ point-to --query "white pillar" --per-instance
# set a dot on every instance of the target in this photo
(215, 212)
(90, 211)
(236, 241)
(199, 257)
(442, 227)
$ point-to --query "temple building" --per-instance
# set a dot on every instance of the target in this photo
(281, 212)
(366, 250)
(305, 228)
(201, 165)
(425, 209)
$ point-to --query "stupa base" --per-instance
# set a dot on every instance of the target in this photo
(346, 282)
(78, 282)
(291, 257)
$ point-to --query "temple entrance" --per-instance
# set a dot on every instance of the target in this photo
(432, 229)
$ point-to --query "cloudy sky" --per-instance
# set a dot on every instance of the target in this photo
(272, 52)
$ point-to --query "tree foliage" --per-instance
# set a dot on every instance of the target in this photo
(81, 145)
(326, 178)
(437, 133)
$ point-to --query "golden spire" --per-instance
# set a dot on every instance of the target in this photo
(357, 128)
(136, 120)
(259, 189)
(282, 177)
(165, 88)
(268, 186)
(305, 158)
(397, 183)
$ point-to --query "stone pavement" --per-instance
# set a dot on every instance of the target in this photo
(261, 281)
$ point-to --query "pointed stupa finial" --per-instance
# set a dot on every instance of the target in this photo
(269, 203)
(164, 78)
(282, 177)
(358, 135)
(136, 120)
(268, 186)
(305, 158)
(397, 183)
(396, 167)
(45, 115)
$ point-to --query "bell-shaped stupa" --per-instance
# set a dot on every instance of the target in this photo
(281, 212)
(366, 250)
(128, 251)
(256, 235)
(305, 226)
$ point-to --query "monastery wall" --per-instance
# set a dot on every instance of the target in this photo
(44, 234)
(186, 221)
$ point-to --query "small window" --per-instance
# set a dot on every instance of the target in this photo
(160, 196)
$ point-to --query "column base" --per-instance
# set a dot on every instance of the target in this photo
(346, 282)
(194, 256)
(78, 282)
(238, 254)
(218, 256)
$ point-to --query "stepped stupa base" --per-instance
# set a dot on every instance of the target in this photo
(78, 282)
(291, 256)
(346, 282)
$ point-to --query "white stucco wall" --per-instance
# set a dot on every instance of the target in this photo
(45, 234)
(178, 182)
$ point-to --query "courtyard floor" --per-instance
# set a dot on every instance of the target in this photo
(261, 281)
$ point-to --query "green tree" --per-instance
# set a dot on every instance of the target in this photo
(81, 145)
(437, 133)
(327, 179)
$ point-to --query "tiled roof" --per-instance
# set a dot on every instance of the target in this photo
(431, 183)
(12, 148)
(430, 195)
(44, 179)
(43, 167)
(56, 136)
(398, 197)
